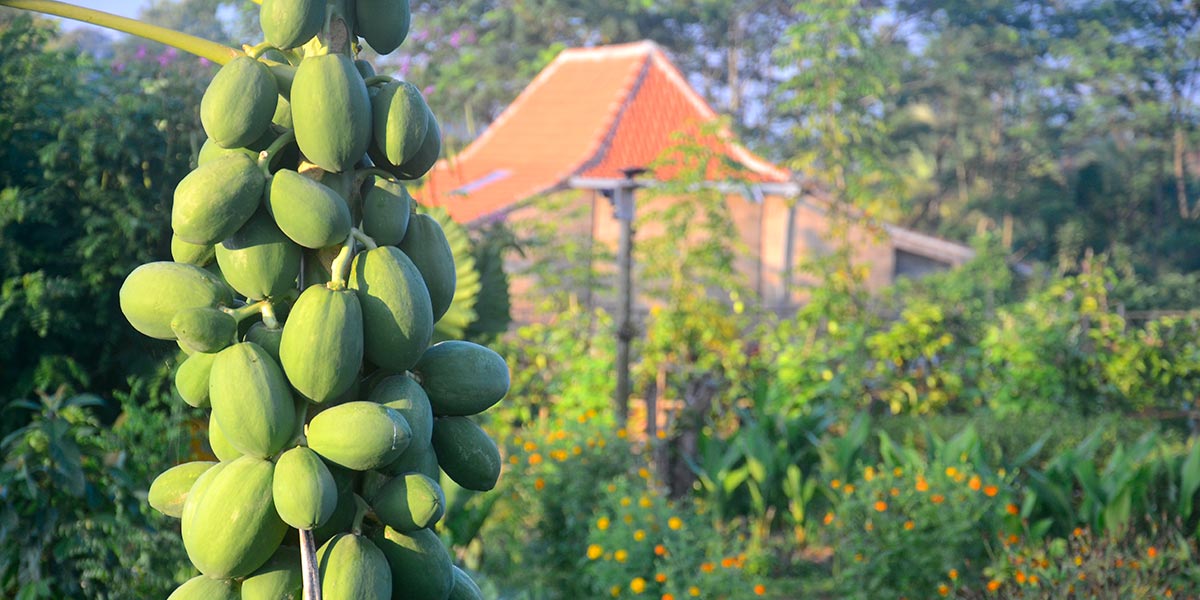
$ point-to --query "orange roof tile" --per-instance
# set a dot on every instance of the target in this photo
(590, 112)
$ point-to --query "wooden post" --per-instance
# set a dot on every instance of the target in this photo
(625, 212)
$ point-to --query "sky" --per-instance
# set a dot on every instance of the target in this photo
(125, 8)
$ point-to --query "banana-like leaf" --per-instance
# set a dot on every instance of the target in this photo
(453, 325)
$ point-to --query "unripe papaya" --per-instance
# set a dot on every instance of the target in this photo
(318, 266)
(283, 114)
(322, 345)
(386, 209)
(421, 567)
(281, 578)
(216, 199)
(331, 111)
(251, 400)
(466, 453)
(342, 519)
(304, 490)
(169, 491)
(464, 587)
(399, 121)
(234, 529)
(154, 292)
(404, 395)
(427, 154)
(365, 68)
(418, 458)
(204, 329)
(266, 337)
(397, 314)
(191, 379)
(284, 74)
(382, 23)
(359, 435)
(462, 378)
(237, 106)
(409, 502)
(206, 588)
(259, 261)
(311, 214)
(287, 24)
(426, 245)
(221, 448)
(353, 568)
(192, 254)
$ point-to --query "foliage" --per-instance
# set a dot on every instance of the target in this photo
(74, 519)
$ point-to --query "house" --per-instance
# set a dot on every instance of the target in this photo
(593, 115)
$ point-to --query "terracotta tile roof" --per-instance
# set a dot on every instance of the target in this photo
(589, 113)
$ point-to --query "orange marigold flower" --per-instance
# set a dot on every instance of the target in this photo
(990, 491)
(922, 485)
(894, 492)
(638, 585)
(937, 498)
(621, 433)
(660, 550)
(530, 446)
(849, 489)
(909, 525)
(1033, 580)
(953, 574)
(760, 589)
(707, 567)
(1020, 577)
(1012, 539)
(1077, 533)
(644, 473)
(898, 472)
(668, 596)
(974, 483)
(869, 473)
(535, 459)
(693, 591)
(727, 562)
(993, 585)
(1012, 509)
(513, 459)
(835, 484)
(880, 506)
(539, 484)
(943, 590)
(661, 577)
(828, 518)
(1151, 552)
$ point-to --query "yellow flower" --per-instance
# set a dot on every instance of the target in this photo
(644, 473)
(869, 473)
(849, 489)
(638, 585)
(621, 433)
(628, 519)
(620, 556)
(639, 535)
(675, 523)
(898, 472)
(530, 446)
(615, 591)
(576, 450)
(835, 484)
(594, 551)
(953, 574)
(626, 501)
(602, 523)
(693, 591)
(707, 567)
(645, 502)
(951, 472)
(662, 435)
(513, 459)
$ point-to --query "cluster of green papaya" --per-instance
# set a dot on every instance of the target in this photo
(304, 290)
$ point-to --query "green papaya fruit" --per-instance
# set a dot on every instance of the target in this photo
(259, 261)
(283, 114)
(365, 68)
(284, 74)
(221, 448)
(206, 588)
(426, 155)
(353, 568)
(191, 379)
(311, 214)
(169, 491)
(331, 111)
(386, 209)
(397, 315)
(233, 529)
(304, 489)
(404, 395)
(280, 578)
(418, 458)
(198, 490)
(372, 482)
(374, 376)
(425, 244)
(359, 435)
(399, 121)
(464, 587)
(342, 519)
(409, 502)
(288, 24)
(421, 566)
(462, 378)
(266, 337)
(382, 23)
(204, 329)
(216, 199)
(251, 400)
(237, 106)
(322, 346)
(192, 254)
(466, 453)
(154, 292)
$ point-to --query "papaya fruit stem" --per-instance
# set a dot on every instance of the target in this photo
(377, 80)
(366, 240)
(257, 50)
(242, 313)
(360, 512)
(341, 265)
(267, 156)
(268, 315)
(361, 175)
(308, 564)
(218, 53)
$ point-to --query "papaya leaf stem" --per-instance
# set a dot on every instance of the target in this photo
(366, 240)
(308, 563)
(218, 53)
(341, 265)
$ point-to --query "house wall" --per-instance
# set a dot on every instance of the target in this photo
(586, 217)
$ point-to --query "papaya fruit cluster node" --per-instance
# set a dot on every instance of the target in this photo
(304, 288)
